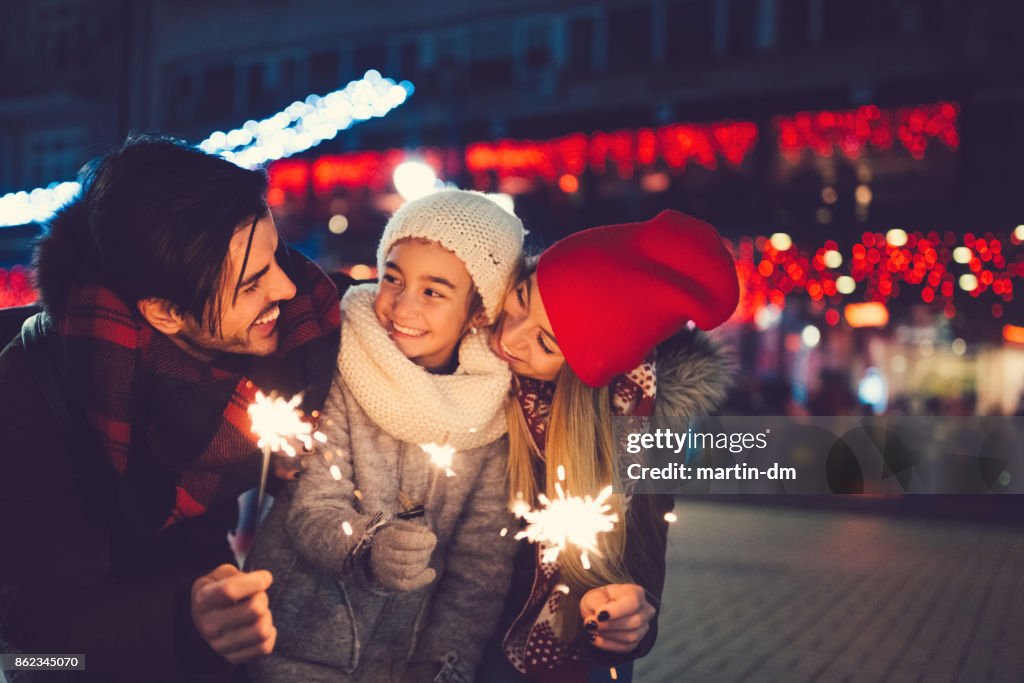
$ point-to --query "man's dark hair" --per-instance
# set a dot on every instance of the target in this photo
(155, 218)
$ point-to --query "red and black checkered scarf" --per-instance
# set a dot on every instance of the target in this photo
(175, 429)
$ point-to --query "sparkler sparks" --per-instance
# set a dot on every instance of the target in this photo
(440, 456)
(568, 520)
(276, 421)
(520, 507)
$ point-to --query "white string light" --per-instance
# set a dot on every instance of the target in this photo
(300, 126)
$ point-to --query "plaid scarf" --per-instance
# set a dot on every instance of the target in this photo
(175, 429)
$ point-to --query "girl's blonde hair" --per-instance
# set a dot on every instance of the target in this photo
(578, 438)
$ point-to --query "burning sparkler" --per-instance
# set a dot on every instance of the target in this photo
(276, 422)
(440, 456)
(568, 520)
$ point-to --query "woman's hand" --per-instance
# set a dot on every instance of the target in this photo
(617, 616)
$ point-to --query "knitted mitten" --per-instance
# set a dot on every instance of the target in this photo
(400, 555)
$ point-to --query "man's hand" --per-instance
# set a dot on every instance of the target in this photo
(616, 616)
(400, 555)
(231, 612)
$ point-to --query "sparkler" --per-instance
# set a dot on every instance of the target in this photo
(276, 422)
(441, 456)
(568, 520)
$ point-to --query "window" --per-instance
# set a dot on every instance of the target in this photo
(537, 41)
(845, 21)
(56, 29)
(370, 56)
(793, 24)
(691, 31)
(54, 155)
(629, 37)
(490, 57)
(743, 20)
(581, 45)
(409, 59)
(218, 99)
(323, 71)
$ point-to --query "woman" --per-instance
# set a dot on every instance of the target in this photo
(579, 331)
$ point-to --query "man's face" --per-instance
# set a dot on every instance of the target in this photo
(249, 300)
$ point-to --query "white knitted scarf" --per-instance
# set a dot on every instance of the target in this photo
(462, 410)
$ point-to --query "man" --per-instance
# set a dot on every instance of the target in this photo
(170, 301)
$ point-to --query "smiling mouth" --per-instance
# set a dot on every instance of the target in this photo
(406, 331)
(508, 355)
(268, 318)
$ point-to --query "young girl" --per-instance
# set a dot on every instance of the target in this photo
(579, 331)
(388, 567)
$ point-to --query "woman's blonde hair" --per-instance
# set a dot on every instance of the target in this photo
(579, 439)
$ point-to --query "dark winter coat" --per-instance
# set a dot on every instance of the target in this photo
(693, 374)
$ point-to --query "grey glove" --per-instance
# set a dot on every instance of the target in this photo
(400, 556)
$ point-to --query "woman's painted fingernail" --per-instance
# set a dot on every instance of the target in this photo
(603, 615)
(590, 625)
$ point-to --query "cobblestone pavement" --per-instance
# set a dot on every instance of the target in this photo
(770, 594)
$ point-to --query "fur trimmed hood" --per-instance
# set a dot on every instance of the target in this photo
(694, 373)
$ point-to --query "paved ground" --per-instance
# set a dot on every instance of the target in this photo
(769, 594)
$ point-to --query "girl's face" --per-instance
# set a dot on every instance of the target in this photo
(523, 337)
(423, 302)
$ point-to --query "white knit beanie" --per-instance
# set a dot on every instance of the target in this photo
(485, 237)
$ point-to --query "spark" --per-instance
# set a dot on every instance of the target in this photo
(520, 507)
(504, 532)
(336, 472)
(569, 520)
(347, 528)
(440, 456)
(614, 673)
(671, 518)
(276, 421)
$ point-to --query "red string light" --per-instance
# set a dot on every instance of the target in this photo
(852, 131)
(881, 272)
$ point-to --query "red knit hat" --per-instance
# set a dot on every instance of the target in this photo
(613, 293)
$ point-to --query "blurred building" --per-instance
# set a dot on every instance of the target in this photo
(829, 120)
(81, 74)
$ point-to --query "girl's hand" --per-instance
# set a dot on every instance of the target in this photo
(285, 467)
(616, 617)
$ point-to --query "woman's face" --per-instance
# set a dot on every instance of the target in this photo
(523, 337)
